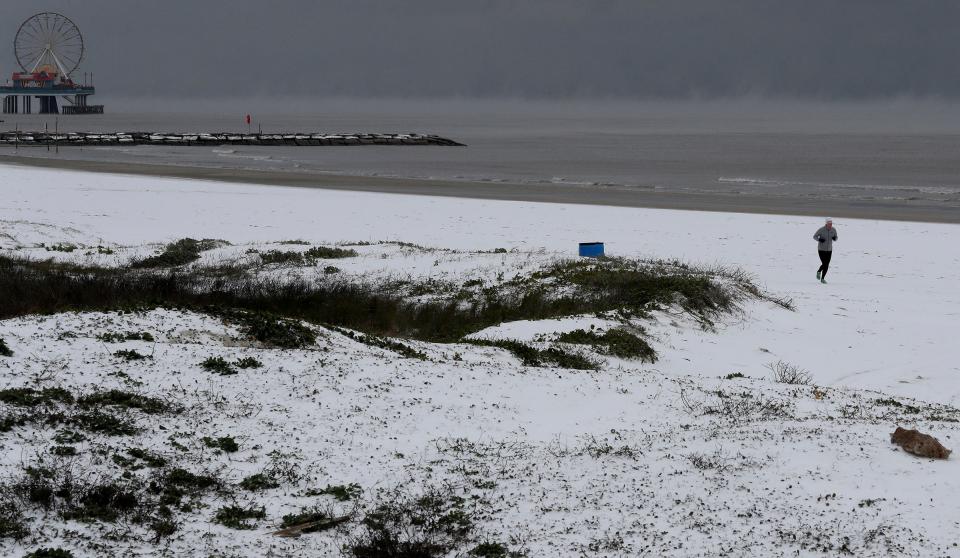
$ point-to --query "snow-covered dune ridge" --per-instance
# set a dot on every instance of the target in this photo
(218, 437)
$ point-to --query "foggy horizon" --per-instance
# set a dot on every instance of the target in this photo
(562, 49)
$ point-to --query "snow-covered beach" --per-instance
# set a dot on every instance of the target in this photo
(620, 461)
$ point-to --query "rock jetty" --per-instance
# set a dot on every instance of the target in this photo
(217, 139)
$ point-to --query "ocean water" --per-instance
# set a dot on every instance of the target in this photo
(891, 151)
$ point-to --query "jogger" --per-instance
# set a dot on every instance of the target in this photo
(825, 237)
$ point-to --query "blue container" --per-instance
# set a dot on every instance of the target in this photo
(591, 249)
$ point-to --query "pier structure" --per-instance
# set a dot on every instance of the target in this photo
(45, 88)
(48, 47)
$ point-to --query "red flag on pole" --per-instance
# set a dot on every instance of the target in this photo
(248, 119)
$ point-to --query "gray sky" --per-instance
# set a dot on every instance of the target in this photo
(821, 49)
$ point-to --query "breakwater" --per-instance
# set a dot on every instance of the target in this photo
(217, 139)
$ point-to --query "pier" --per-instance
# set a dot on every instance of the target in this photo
(49, 48)
(19, 99)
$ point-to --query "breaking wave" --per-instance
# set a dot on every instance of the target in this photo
(820, 185)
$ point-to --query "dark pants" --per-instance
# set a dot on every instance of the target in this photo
(824, 262)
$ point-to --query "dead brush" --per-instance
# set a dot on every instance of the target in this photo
(720, 462)
(494, 458)
(707, 462)
(597, 448)
(786, 373)
(738, 408)
(747, 282)
(12, 523)
(745, 407)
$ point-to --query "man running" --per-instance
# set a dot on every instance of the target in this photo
(825, 237)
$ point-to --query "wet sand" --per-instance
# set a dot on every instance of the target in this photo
(620, 196)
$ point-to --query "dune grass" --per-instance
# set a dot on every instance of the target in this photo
(626, 287)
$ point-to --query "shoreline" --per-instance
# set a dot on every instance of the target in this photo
(923, 211)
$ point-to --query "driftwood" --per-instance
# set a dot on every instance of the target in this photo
(311, 526)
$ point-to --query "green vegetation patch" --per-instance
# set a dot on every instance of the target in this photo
(126, 399)
(57, 488)
(401, 349)
(340, 492)
(226, 443)
(49, 553)
(640, 286)
(175, 484)
(12, 525)
(432, 524)
(218, 365)
(73, 498)
(85, 413)
(258, 482)
(10, 421)
(103, 423)
(532, 356)
(69, 437)
(616, 342)
(890, 402)
(128, 336)
(186, 479)
(102, 502)
(248, 362)
(130, 355)
(30, 397)
(93, 421)
(493, 550)
(63, 451)
(4, 349)
(163, 527)
(326, 253)
(150, 459)
(274, 331)
(179, 253)
(61, 247)
(238, 517)
(308, 257)
(222, 366)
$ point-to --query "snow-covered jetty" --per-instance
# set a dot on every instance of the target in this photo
(219, 138)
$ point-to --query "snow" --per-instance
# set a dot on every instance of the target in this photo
(882, 327)
(884, 321)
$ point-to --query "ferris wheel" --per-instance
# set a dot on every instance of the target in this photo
(49, 42)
